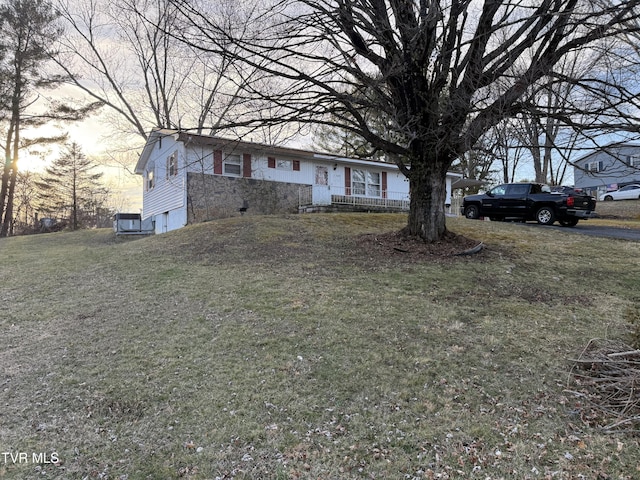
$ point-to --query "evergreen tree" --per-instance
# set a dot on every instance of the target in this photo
(71, 189)
(28, 29)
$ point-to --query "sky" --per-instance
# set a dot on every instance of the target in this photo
(93, 135)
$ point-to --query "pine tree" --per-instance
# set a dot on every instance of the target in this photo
(71, 189)
(28, 30)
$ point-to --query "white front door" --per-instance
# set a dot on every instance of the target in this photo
(321, 189)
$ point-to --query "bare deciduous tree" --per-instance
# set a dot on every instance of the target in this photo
(443, 72)
(124, 53)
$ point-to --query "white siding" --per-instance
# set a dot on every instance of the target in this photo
(261, 170)
(199, 159)
(166, 202)
(168, 195)
(170, 220)
(397, 182)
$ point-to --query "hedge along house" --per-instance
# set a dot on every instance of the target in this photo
(191, 178)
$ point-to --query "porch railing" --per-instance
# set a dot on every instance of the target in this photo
(387, 199)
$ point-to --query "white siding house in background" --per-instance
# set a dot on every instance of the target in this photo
(191, 178)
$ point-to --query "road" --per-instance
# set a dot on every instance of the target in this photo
(584, 228)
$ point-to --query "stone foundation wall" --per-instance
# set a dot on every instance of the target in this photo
(215, 196)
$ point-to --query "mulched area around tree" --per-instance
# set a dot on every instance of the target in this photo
(399, 244)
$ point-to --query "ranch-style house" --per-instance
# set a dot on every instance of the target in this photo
(191, 178)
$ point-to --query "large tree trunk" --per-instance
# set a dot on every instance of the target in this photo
(4, 188)
(10, 174)
(7, 223)
(427, 181)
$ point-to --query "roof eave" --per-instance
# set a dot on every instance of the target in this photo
(149, 146)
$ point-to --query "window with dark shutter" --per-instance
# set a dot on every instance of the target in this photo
(232, 165)
(284, 164)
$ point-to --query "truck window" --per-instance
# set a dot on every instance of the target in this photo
(519, 189)
(499, 190)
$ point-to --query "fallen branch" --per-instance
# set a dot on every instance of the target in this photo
(471, 251)
(607, 374)
(624, 354)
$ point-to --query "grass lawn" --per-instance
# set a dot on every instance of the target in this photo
(289, 347)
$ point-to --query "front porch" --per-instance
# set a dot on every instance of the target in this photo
(326, 198)
(314, 198)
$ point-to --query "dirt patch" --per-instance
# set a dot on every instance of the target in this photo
(400, 245)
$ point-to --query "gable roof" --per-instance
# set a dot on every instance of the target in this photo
(225, 143)
(609, 148)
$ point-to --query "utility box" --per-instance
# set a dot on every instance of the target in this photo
(132, 224)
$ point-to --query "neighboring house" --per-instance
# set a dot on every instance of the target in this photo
(192, 178)
(608, 168)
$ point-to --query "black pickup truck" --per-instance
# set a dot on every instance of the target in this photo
(530, 201)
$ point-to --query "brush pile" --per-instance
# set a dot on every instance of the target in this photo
(606, 378)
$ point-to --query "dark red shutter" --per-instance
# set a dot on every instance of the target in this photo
(271, 162)
(384, 184)
(296, 165)
(246, 165)
(347, 180)
(217, 162)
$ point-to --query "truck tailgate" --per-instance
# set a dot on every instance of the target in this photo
(584, 203)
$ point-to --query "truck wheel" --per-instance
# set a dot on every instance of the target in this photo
(545, 216)
(569, 223)
(472, 212)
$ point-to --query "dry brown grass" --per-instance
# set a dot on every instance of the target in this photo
(619, 210)
(276, 347)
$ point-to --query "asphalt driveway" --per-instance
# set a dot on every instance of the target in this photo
(585, 228)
